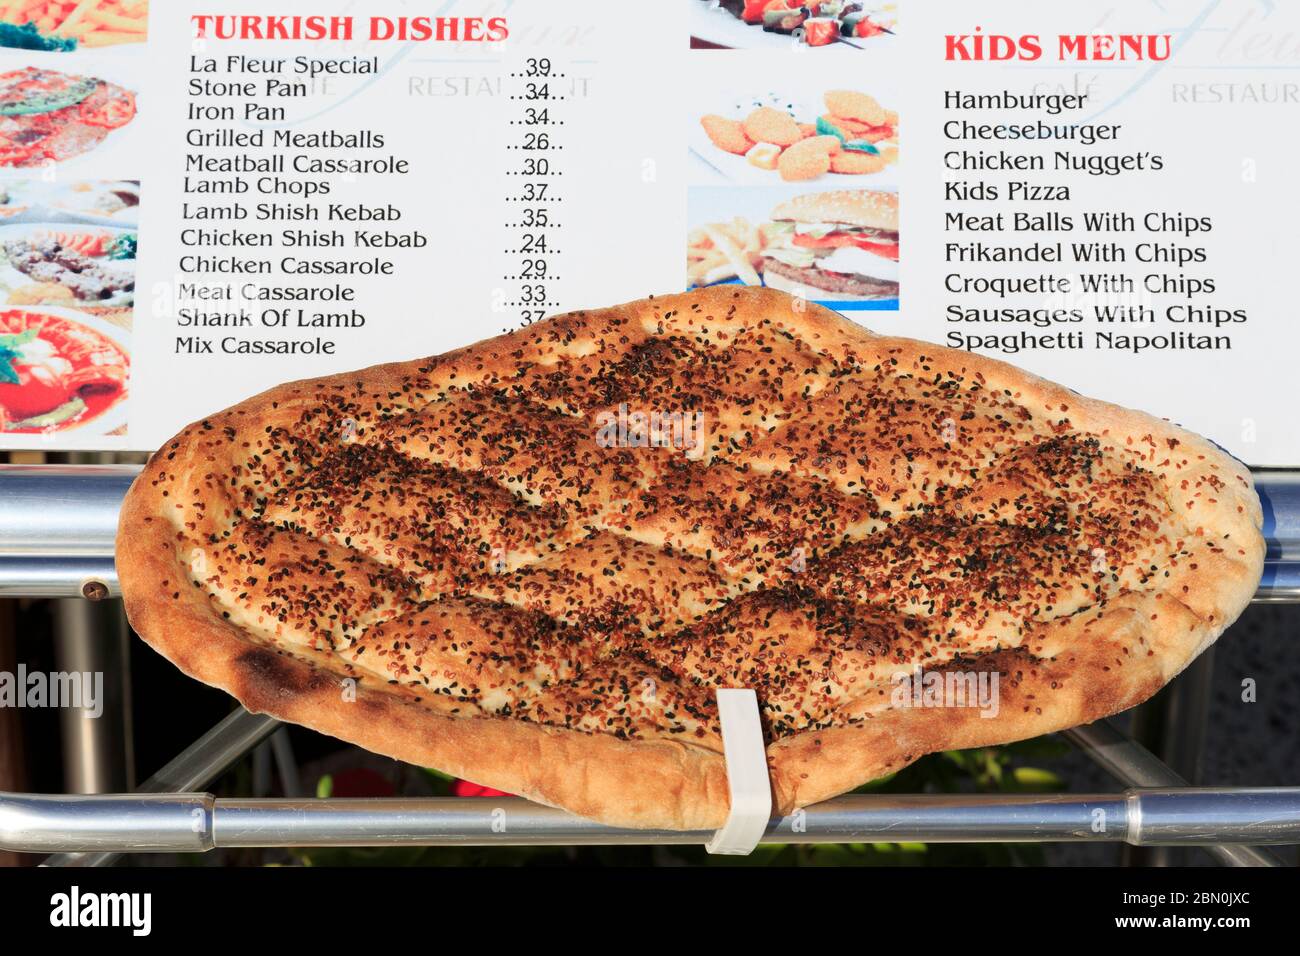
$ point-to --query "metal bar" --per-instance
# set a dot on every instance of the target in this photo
(195, 767)
(285, 763)
(212, 754)
(1172, 725)
(91, 640)
(44, 824)
(13, 746)
(1279, 494)
(184, 823)
(52, 576)
(58, 524)
(62, 509)
(57, 528)
(511, 820)
(1133, 765)
(1147, 728)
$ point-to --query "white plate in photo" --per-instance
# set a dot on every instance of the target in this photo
(96, 202)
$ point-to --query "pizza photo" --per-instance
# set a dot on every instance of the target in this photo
(566, 436)
(47, 116)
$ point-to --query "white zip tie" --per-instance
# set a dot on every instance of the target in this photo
(747, 778)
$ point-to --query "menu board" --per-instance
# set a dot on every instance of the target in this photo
(201, 200)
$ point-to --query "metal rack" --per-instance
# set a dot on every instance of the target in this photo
(57, 527)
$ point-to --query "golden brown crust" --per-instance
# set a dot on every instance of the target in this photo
(568, 651)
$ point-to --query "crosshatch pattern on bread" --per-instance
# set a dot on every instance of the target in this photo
(449, 561)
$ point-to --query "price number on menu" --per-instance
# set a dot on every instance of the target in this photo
(534, 169)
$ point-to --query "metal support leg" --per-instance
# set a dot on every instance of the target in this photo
(197, 766)
(13, 759)
(90, 639)
(1135, 766)
(285, 763)
(1172, 726)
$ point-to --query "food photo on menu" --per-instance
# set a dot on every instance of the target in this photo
(60, 371)
(784, 141)
(67, 296)
(838, 245)
(57, 265)
(840, 24)
(377, 490)
(48, 116)
(103, 202)
(69, 25)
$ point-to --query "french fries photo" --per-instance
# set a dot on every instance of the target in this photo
(725, 250)
(72, 24)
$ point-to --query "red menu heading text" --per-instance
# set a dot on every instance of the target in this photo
(1075, 46)
(436, 29)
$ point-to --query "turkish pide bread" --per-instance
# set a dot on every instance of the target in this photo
(489, 563)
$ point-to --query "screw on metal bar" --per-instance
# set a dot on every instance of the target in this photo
(94, 590)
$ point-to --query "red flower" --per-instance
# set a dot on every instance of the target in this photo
(463, 788)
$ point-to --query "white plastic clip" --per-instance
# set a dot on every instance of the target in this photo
(747, 779)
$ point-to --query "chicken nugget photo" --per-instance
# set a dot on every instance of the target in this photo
(726, 134)
(856, 163)
(851, 105)
(808, 158)
(769, 125)
(792, 135)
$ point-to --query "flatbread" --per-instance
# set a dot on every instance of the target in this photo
(468, 562)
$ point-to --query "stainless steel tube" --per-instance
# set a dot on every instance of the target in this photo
(1191, 816)
(1133, 765)
(171, 822)
(50, 576)
(1279, 493)
(186, 823)
(62, 509)
(57, 525)
(209, 756)
(98, 754)
(195, 767)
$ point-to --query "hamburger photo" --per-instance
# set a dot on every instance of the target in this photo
(834, 245)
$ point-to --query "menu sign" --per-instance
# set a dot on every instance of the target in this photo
(200, 200)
